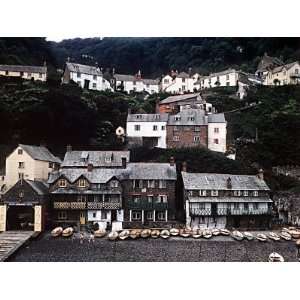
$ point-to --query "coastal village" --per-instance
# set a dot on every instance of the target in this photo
(106, 193)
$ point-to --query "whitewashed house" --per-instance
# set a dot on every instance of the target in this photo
(30, 163)
(147, 129)
(178, 83)
(25, 72)
(226, 200)
(217, 132)
(283, 75)
(135, 83)
(87, 77)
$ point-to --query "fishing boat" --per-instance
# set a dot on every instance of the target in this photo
(174, 231)
(285, 235)
(67, 232)
(165, 234)
(295, 233)
(185, 232)
(273, 236)
(155, 233)
(248, 235)
(261, 237)
(196, 233)
(237, 235)
(138, 232)
(57, 231)
(215, 231)
(207, 234)
(276, 257)
(99, 233)
(113, 235)
(284, 229)
(224, 231)
(145, 233)
(133, 234)
(124, 235)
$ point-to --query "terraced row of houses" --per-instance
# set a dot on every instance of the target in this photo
(106, 189)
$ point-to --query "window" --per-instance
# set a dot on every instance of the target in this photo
(21, 194)
(136, 199)
(81, 198)
(214, 193)
(227, 83)
(296, 71)
(202, 193)
(177, 118)
(20, 151)
(166, 80)
(108, 159)
(216, 130)
(78, 75)
(237, 193)
(236, 205)
(191, 119)
(162, 198)
(62, 183)
(151, 184)
(255, 206)
(21, 175)
(150, 198)
(94, 85)
(95, 77)
(284, 73)
(176, 138)
(82, 183)
(103, 215)
(149, 215)
(21, 165)
(183, 79)
(114, 184)
(162, 184)
(51, 165)
(29, 75)
(137, 127)
(176, 128)
(245, 193)
(163, 127)
(154, 127)
(40, 75)
(94, 215)
(161, 215)
(62, 215)
(216, 141)
(136, 215)
(201, 205)
(183, 87)
(196, 128)
(137, 183)
(196, 139)
(134, 83)
(246, 206)
(6, 73)
(255, 193)
(227, 77)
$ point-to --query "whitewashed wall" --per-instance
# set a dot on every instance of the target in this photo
(221, 136)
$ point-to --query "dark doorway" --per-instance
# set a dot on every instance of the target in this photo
(86, 83)
(20, 218)
(214, 209)
(113, 215)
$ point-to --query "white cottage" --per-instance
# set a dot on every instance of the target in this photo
(217, 132)
(38, 73)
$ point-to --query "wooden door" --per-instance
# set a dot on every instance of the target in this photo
(82, 218)
(3, 217)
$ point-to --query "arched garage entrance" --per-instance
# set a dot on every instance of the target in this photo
(20, 218)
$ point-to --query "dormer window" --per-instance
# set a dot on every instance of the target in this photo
(237, 193)
(214, 193)
(255, 193)
(82, 183)
(246, 193)
(114, 184)
(138, 116)
(62, 183)
(20, 151)
(202, 193)
(108, 159)
(177, 118)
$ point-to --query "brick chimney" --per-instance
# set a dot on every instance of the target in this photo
(124, 162)
(260, 174)
(184, 167)
(90, 167)
(172, 161)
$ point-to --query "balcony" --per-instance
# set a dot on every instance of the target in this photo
(200, 212)
(160, 205)
(69, 205)
(260, 211)
(104, 205)
(140, 205)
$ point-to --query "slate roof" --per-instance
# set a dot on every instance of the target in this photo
(20, 68)
(229, 199)
(40, 187)
(228, 71)
(97, 158)
(151, 81)
(147, 118)
(85, 69)
(216, 118)
(40, 153)
(177, 98)
(85, 192)
(188, 117)
(287, 67)
(211, 181)
(183, 75)
(151, 171)
(132, 171)
(268, 61)
(125, 77)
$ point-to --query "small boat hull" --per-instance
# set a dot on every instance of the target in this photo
(224, 232)
(273, 236)
(237, 235)
(145, 233)
(99, 233)
(185, 233)
(165, 234)
(174, 231)
(57, 231)
(261, 237)
(155, 234)
(68, 232)
(295, 234)
(207, 234)
(249, 236)
(124, 235)
(113, 235)
(286, 236)
(215, 232)
(275, 257)
(133, 234)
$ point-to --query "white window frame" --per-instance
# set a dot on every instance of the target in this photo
(216, 130)
(62, 182)
(114, 183)
(151, 184)
(202, 193)
(62, 215)
(196, 139)
(255, 193)
(162, 199)
(237, 193)
(162, 184)
(136, 216)
(176, 138)
(155, 128)
(137, 127)
(151, 215)
(214, 193)
(161, 215)
(82, 183)
(246, 193)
